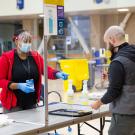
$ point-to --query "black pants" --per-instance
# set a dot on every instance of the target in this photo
(122, 125)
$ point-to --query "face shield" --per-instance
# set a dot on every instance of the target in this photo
(24, 42)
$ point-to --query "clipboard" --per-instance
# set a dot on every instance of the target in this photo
(70, 113)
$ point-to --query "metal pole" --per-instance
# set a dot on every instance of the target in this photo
(45, 81)
(78, 126)
(66, 50)
(101, 126)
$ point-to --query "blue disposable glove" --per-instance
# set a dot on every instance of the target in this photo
(27, 87)
(30, 82)
(62, 75)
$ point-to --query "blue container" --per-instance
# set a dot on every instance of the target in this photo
(97, 53)
(98, 61)
(91, 81)
(99, 1)
(97, 56)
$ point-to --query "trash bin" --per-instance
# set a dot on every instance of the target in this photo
(77, 70)
(92, 66)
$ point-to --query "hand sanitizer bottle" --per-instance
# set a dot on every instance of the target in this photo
(69, 131)
(85, 92)
(56, 133)
(70, 92)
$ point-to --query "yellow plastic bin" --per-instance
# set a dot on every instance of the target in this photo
(77, 70)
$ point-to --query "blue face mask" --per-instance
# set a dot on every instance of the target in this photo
(25, 47)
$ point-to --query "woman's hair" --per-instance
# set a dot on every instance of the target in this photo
(16, 34)
(25, 37)
(22, 35)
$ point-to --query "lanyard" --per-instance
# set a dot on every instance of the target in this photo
(27, 67)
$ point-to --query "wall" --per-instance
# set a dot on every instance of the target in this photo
(84, 5)
(130, 29)
(125, 3)
(96, 30)
(99, 23)
(6, 34)
(8, 7)
(6, 31)
(89, 5)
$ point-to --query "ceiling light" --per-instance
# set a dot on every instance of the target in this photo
(41, 15)
(123, 10)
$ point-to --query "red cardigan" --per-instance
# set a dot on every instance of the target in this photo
(7, 97)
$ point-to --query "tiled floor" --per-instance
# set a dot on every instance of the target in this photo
(57, 85)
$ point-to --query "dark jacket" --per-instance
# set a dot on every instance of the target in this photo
(121, 66)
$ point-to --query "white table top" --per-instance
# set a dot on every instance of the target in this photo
(34, 119)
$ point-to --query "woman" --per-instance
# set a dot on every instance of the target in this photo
(20, 75)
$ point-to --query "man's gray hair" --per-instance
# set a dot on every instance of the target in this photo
(114, 32)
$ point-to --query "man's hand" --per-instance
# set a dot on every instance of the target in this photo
(105, 75)
(97, 104)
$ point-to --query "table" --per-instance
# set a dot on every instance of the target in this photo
(34, 119)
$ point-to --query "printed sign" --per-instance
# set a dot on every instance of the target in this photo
(54, 17)
(68, 40)
(54, 2)
(60, 12)
(50, 20)
(60, 17)
(60, 26)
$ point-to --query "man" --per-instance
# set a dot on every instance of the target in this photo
(121, 90)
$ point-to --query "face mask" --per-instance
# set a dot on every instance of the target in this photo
(111, 48)
(25, 47)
